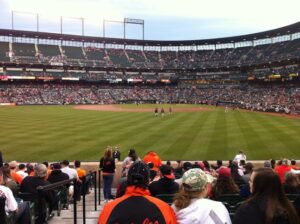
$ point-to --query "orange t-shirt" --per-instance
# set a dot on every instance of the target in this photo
(81, 172)
(16, 177)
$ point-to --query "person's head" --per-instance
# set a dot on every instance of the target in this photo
(168, 163)
(219, 163)
(194, 185)
(242, 162)
(5, 173)
(285, 162)
(22, 166)
(186, 166)
(267, 164)
(225, 183)
(13, 165)
(150, 165)
(108, 153)
(249, 167)
(132, 154)
(292, 180)
(293, 162)
(40, 170)
(46, 164)
(29, 168)
(64, 163)
(166, 172)
(138, 175)
(56, 166)
(266, 187)
(273, 163)
(77, 163)
(206, 164)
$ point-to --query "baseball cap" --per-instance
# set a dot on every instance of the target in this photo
(194, 180)
(138, 175)
(167, 171)
(224, 172)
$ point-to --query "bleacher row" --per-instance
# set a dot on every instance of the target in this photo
(125, 58)
(275, 98)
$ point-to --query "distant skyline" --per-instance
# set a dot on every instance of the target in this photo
(164, 19)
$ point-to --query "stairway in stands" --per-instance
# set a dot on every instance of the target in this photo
(66, 216)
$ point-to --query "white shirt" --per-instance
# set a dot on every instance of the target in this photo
(240, 157)
(22, 173)
(72, 173)
(203, 211)
(10, 202)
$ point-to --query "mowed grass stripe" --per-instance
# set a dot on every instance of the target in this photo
(236, 139)
(185, 138)
(163, 134)
(282, 144)
(194, 148)
(256, 147)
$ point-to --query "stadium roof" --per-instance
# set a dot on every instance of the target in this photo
(290, 29)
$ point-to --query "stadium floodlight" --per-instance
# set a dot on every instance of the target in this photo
(13, 13)
(124, 22)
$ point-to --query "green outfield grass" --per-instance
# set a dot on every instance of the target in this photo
(39, 133)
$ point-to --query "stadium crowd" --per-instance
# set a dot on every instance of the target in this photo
(269, 98)
(152, 191)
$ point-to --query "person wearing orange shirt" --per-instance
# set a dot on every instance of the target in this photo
(81, 173)
(153, 158)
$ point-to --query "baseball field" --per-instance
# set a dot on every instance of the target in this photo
(191, 132)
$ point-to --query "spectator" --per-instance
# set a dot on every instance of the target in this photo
(240, 156)
(154, 158)
(268, 203)
(21, 209)
(80, 172)
(282, 169)
(107, 165)
(185, 167)
(291, 183)
(225, 183)
(166, 184)
(248, 172)
(153, 173)
(137, 206)
(117, 154)
(22, 170)
(293, 165)
(57, 175)
(13, 168)
(191, 205)
(131, 158)
(72, 173)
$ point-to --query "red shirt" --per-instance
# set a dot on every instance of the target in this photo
(281, 170)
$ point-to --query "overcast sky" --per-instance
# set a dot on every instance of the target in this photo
(164, 19)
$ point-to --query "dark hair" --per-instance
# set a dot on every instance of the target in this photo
(206, 165)
(138, 175)
(77, 163)
(273, 163)
(30, 169)
(292, 180)
(22, 166)
(46, 164)
(249, 167)
(267, 188)
(293, 162)
(219, 162)
(132, 154)
(65, 162)
(150, 165)
(5, 172)
(225, 185)
(168, 163)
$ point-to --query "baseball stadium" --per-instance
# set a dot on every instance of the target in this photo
(73, 96)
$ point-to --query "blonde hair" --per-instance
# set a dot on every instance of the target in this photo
(183, 198)
(108, 153)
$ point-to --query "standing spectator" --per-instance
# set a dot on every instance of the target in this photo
(268, 203)
(107, 165)
(240, 156)
(137, 206)
(191, 205)
(131, 158)
(117, 154)
(154, 158)
(166, 184)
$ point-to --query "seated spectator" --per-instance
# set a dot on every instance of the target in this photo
(80, 172)
(166, 183)
(236, 174)
(9, 182)
(30, 184)
(153, 173)
(137, 206)
(57, 175)
(178, 172)
(282, 169)
(191, 205)
(72, 173)
(22, 170)
(291, 183)
(185, 167)
(267, 164)
(225, 183)
(268, 203)
(11, 205)
(154, 158)
(13, 172)
(293, 165)
(248, 172)
(131, 158)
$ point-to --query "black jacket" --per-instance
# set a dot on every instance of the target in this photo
(57, 176)
(163, 186)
